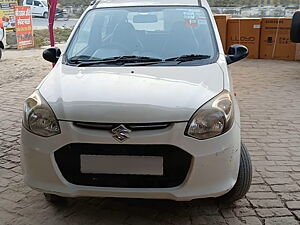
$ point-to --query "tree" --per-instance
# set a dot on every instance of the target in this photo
(75, 3)
(223, 3)
(220, 3)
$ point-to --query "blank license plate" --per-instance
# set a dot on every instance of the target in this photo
(125, 165)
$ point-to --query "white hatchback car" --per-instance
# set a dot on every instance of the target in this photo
(140, 105)
(38, 7)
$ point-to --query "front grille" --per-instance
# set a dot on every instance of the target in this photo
(176, 165)
(132, 127)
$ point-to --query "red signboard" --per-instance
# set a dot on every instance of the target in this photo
(24, 27)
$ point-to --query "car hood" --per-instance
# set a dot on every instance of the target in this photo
(130, 94)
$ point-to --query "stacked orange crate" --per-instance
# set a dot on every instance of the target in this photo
(221, 20)
(275, 39)
(245, 31)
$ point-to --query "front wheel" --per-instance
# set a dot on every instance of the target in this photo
(45, 15)
(244, 180)
(54, 199)
(0, 53)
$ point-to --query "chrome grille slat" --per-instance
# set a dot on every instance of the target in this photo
(133, 127)
(94, 125)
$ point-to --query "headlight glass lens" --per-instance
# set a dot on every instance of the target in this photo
(212, 119)
(38, 117)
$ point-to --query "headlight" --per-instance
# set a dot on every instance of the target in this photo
(38, 117)
(212, 119)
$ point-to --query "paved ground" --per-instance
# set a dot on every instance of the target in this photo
(269, 98)
(42, 23)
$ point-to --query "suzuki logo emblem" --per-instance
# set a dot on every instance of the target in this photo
(120, 133)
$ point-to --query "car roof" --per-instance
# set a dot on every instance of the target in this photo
(121, 3)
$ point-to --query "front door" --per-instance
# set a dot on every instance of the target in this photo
(38, 8)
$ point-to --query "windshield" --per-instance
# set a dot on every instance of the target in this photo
(160, 33)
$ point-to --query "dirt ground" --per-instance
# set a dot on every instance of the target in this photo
(269, 98)
(17, 66)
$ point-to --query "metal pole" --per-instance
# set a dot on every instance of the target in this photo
(52, 10)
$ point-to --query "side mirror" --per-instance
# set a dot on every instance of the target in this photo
(52, 54)
(236, 53)
(295, 30)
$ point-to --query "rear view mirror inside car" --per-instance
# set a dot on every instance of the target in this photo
(145, 18)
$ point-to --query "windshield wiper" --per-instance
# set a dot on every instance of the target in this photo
(81, 58)
(187, 58)
(84, 61)
(120, 59)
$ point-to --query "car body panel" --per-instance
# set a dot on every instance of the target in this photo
(213, 172)
(130, 94)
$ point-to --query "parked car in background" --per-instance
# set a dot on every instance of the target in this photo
(61, 14)
(140, 105)
(39, 7)
(295, 31)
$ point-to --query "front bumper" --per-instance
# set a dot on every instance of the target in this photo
(213, 171)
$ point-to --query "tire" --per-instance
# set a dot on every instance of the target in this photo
(45, 15)
(54, 199)
(244, 180)
(295, 31)
(0, 53)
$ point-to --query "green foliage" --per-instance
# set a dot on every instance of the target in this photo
(247, 3)
(244, 3)
(74, 3)
(233, 2)
(41, 37)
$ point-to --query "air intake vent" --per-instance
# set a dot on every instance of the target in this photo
(176, 165)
